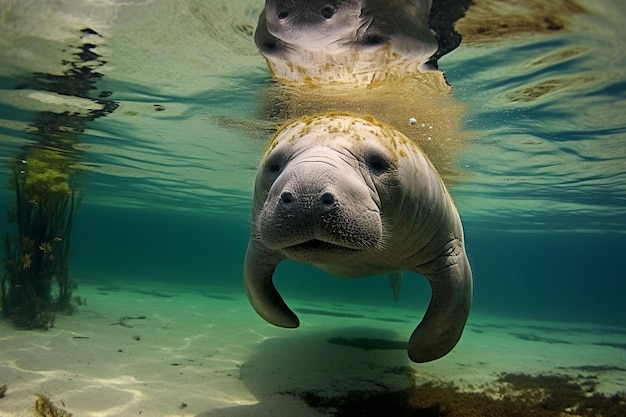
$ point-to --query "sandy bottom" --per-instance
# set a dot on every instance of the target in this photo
(178, 351)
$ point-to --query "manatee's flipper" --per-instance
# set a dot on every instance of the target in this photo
(450, 279)
(258, 271)
(395, 283)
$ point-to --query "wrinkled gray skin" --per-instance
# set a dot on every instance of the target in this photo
(354, 208)
(288, 26)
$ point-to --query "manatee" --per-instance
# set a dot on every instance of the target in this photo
(356, 41)
(354, 197)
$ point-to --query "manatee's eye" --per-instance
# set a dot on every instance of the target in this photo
(282, 15)
(274, 168)
(377, 163)
(274, 165)
(372, 40)
(328, 11)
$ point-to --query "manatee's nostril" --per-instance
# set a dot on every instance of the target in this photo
(328, 11)
(282, 15)
(327, 199)
(286, 198)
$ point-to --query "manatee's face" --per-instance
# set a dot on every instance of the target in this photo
(321, 189)
(314, 22)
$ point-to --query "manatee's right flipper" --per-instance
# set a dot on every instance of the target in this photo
(395, 283)
(450, 279)
(259, 269)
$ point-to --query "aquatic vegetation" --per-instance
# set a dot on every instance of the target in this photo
(36, 254)
(45, 408)
(122, 321)
(44, 182)
(26, 261)
(513, 395)
(490, 21)
(536, 338)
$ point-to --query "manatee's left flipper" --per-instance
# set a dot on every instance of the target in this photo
(259, 269)
(395, 283)
(450, 279)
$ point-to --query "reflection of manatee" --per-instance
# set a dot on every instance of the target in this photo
(346, 45)
(355, 197)
(366, 41)
(355, 41)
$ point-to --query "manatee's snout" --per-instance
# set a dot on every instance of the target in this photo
(316, 207)
(312, 21)
(301, 12)
(326, 11)
(317, 204)
(306, 198)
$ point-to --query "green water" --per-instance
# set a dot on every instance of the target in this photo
(167, 176)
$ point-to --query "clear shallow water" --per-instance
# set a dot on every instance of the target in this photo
(168, 175)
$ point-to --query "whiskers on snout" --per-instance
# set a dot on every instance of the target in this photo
(335, 232)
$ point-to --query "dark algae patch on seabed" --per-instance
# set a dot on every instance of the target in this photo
(513, 395)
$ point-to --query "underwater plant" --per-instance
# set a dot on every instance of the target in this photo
(36, 255)
(45, 408)
(511, 395)
(44, 182)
